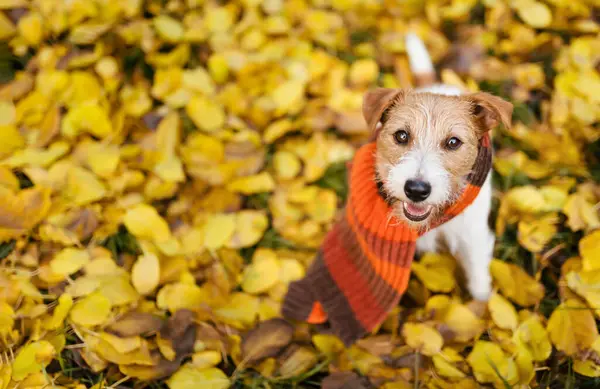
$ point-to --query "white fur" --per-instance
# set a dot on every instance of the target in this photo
(468, 236)
(441, 89)
(470, 240)
(418, 56)
(423, 162)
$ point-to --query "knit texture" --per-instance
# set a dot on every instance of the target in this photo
(363, 266)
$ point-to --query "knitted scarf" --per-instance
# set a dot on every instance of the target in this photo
(363, 266)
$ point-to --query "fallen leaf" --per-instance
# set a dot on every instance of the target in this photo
(572, 327)
(90, 311)
(491, 365)
(188, 377)
(422, 338)
(503, 313)
(145, 274)
(136, 323)
(32, 358)
(516, 284)
(267, 339)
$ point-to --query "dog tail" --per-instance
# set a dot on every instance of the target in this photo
(419, 61)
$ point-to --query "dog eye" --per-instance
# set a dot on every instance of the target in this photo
(453, 143)
(401, 137)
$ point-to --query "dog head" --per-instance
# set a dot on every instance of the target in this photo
(427, 145)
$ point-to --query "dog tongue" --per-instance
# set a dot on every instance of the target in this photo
(416, 210)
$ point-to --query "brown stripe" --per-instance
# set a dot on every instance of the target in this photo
(383, 292)
(481, 167)
(343, 321)
(400, 253)
(298, 302)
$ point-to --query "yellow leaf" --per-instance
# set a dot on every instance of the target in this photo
(118, 290)
(87, 117)
(102, 159)
(181, 296)
(188, 377)
(491, 365)
(12, 140)
(589, 249)
(21, 212)
(218, 68)
(250, 227)
(218, 229)
(525, 366)
(32, 358)
(581, 213)
(572, 327)
(363, 72)
(140, 356)
(291, 270)
(444, 363)
(462, 322)
(298, 362)
(83, 186)
(204, 359)
(122, 345)
(516, 284)
(288, 97)
(7, 30)
(145, 273)
(286, 165)
(532, 334)
(7, 319)
(240, 310)
(534, 13)
(436, 272)
(585, 284)
(277, 129)
(423, 338)
(31, 28)
(262, 273)
(586, 368)
(535, 234)
(503, 312)
(168, 28)
(144, 222)
(205, 113)
(65, 303)
(328, 345)
(8, 179)
(69, 261)
(87, 33)
(262, 182)
(90, 311)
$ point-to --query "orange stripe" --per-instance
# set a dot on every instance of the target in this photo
(317, 314)
(393, 273)
(467, 197)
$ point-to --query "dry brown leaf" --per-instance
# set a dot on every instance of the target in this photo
(268, 339)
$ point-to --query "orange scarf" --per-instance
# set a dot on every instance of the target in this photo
(363, 266)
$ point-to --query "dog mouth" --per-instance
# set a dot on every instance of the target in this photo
(415, 212)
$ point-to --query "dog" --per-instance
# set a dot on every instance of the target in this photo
(427, 141)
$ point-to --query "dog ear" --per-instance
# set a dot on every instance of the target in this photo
(376, 102)
(490, 110)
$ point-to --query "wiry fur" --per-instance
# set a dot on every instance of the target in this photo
(431, 115)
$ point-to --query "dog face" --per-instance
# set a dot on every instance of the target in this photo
(427, 145)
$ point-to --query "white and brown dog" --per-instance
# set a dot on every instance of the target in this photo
(426, 146)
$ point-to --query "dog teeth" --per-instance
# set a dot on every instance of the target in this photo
(416, 213)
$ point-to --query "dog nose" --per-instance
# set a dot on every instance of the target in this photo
(417, 190)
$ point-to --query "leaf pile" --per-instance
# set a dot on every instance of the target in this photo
(168, 167)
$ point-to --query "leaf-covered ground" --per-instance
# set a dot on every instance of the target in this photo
(168, 167)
